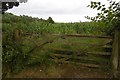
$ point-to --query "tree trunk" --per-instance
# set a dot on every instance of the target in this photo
(115, 55)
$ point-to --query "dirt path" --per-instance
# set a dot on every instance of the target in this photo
(61, 71)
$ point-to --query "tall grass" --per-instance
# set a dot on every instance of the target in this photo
(35, 25)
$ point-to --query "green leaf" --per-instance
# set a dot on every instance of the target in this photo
(97, 17)
(91, 6)
(95, 6)
(106, 11)
(91, 2)
(103, 5)
(110, 1)
(99, 8)
(88, 6)
(98, 14)
(103, 9)
(99, 3)
(114, 7)
(95, 3)
(113, 3)
(117, 4)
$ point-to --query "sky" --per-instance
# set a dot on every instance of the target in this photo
(59, 10)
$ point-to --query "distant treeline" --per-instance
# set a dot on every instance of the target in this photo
(35, 25)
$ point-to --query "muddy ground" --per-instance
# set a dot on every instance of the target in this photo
(61, 71)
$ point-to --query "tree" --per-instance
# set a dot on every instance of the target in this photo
(50, 20)
(111, 16)
(8, 5)
(21, 1)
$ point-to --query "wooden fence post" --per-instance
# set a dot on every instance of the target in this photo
(115, 54)
(119, 54)
(17, 35)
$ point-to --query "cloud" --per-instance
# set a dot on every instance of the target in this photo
(60, 10)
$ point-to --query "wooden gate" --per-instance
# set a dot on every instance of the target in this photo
(110, 50)
(82, 57)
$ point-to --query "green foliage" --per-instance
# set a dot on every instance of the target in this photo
(39, 57)
(12, 54)
(41, 26)
(50, 20)
(9, 5)
(110, 15)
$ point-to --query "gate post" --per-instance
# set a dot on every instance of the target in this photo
(119, 54)
(115, 55)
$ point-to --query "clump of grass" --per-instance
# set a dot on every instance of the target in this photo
(13, 57)
(40, 57)
(65, 46)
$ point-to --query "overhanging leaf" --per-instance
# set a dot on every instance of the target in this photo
(99, 8)
(106, 11)
(103, 9)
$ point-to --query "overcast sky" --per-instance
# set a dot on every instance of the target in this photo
(59, 10)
